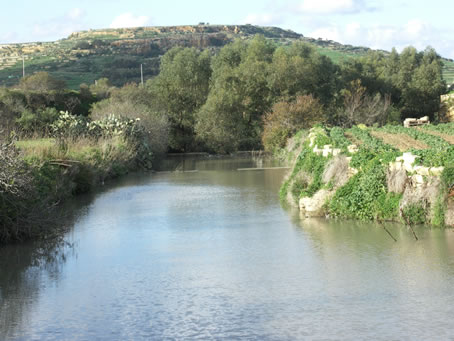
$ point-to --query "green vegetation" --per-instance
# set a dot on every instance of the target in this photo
(374, 190)
(250, 94)
(89, 55)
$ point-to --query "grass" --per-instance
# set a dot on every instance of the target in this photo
(85, 150)
(35, 144)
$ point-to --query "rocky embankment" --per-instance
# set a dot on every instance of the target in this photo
(368, 179)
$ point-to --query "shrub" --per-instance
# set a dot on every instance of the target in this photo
(37, 122)
(414, 213)
(286, 118)
(155, 126)
(41, 82)
(23, 210)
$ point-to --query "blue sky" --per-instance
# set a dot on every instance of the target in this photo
(377, 24)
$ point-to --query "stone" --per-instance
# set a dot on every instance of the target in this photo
(421, 170)
(336, 151)
(424, 119)
(395, 166)
(313, 207)
(353, 148)
(327, 152)
(436, 171)
(407, 159)
(317, 151)
(417, 180)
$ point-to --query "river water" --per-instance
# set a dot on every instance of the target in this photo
(208, 252)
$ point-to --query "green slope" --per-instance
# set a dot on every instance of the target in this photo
(117, 53)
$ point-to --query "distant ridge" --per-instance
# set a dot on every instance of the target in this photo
(117, 54)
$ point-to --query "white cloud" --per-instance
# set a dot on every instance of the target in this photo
(76, 13)
(56, 27)
(329, 32)
(415, 27)
(331, 6)
(264, 19)
(415, 33)
(129, 20)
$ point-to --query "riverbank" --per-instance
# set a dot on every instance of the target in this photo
(386, 174)
(39, 174)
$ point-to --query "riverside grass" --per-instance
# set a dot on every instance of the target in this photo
(48, 172)
(366, 196)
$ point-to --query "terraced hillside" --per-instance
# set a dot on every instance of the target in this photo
(448, 72)
(389, 173)
(117, 53)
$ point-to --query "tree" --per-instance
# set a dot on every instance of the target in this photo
(420, 82)
(362, 108)
(287, 117)
(238, 98)
(299, 69)
(102, 88)
(180, 89)
(41, 82)
(132, 101)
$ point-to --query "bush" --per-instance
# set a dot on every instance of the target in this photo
(37, 122)
(42, 82)
(414, 214)
(286, 118)
(155, 125)
(23, 210)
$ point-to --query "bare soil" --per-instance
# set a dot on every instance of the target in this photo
(352, 138)
(446, 137)
(403, 142)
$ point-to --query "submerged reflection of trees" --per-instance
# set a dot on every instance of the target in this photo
(25, 268)
(22, 270)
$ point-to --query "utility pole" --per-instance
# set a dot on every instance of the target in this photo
(23, 67)
(141, 74)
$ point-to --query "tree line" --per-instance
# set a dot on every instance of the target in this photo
(249, 95)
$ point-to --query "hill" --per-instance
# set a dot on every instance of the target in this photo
(117, 54)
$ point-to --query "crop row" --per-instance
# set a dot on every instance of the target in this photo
(431, 140)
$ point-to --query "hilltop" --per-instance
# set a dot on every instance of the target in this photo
(117, 54)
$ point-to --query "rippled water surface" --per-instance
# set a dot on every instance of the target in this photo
(208, 252)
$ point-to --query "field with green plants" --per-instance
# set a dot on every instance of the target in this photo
(359, 174)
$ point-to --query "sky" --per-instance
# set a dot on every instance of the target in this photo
(377, 24)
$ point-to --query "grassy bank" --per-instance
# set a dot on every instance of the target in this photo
(389, 173)
(39, 173)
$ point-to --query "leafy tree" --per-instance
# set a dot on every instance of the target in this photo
(299, 69)
(12, 103)
(238, 98)
(421, 95)
(180, 89)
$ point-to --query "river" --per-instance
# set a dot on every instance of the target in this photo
(208, 252)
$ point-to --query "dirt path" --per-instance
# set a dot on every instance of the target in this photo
(403, 142)
(446, 137)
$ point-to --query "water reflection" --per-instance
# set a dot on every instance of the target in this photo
(208, 252)
(24, 270)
